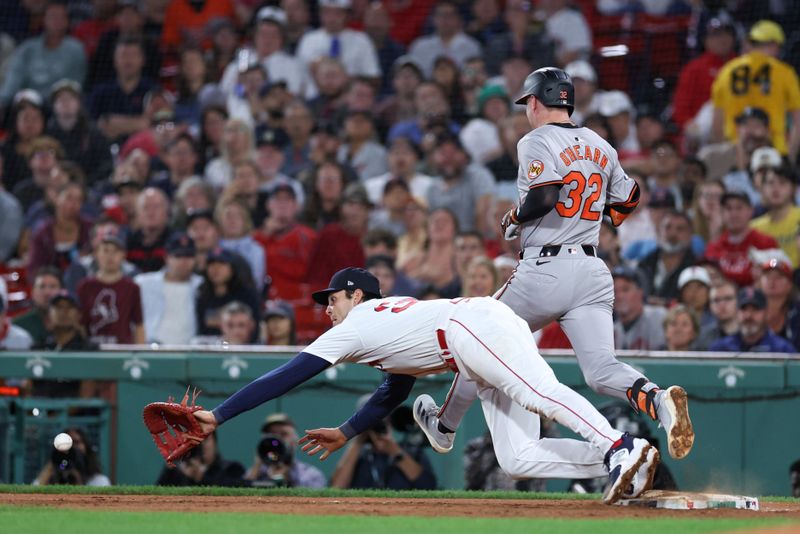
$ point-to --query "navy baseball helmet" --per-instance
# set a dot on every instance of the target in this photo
(551, 86)
(349, 278)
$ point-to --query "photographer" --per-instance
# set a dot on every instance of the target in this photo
(375, 460)
(275, 464)
(79, 466)
(203, 466)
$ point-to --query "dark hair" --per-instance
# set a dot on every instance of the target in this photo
(49, 270)
(237, 306)
(184, 92)
(378, 236)
(92, 466)
(181, 137)
(367, 296)
(236, 284)
(693, 160)
(471, 233)
(129, 40)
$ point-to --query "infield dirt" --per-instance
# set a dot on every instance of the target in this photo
(580, 509)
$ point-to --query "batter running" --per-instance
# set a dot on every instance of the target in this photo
(483, 340)
(568, 179)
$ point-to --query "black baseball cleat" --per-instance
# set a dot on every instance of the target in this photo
(624, 460)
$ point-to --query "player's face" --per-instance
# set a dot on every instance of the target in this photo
(339, 305)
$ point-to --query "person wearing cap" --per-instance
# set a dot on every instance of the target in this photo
(696, 77)
(731, 251)
(481, 135)
(360, 151)
(244, 101)
(339, 243)
(111, 305)
(288, 244)
(278, 324)
(637, 326)
(448, 39)
(432, 117)
(299, 474)
(227, 279)
(268, 50)
(694, 286)
(467, 188)
(665, 164)
(169, 295)
(270, 157)
(587, 96)
(758, 78)
(754, 334)
(65, 331)
(335, 40)
(617, 108)
(782, 217)
(783, 310)
(407, 339)
(662, 267)
(86, 266)
(39, 62)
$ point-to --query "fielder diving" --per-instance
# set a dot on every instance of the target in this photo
(483, 340)
(568, 179)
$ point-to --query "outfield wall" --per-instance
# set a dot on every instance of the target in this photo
(745, 409)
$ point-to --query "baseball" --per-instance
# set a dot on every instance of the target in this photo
(62, 442)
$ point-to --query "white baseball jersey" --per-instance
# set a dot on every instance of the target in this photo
(592, 176)
(396, 335)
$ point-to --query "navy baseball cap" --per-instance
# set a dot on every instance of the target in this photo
(63, 295)
(349, 278)
(221, 255)
(750, 296)
(180, 245)
(628, 273)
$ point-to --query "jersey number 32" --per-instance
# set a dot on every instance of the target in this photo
(574, 203)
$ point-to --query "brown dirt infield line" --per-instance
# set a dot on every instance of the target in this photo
(381, 506)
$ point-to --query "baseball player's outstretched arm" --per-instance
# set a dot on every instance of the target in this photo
(273, 384)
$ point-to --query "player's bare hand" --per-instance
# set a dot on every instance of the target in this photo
(208, 422)
(322, 439)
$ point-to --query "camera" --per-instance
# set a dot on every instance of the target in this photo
(68, 467)
(272, 451)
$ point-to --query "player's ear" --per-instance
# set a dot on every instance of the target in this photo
(358, 297)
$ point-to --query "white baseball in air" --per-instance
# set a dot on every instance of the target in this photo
(62, 442)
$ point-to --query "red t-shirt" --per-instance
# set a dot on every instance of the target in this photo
(553, 338)
(110, 311)
(89, 31)
(733, 258)
(182, 24)
(335, 250)
(694, 86)
(288, 256)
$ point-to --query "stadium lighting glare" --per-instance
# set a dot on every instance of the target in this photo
(614, 51)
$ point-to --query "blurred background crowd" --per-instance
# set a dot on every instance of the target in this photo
(187, 171)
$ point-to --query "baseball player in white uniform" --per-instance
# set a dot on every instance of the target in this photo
(483, 340)
(569, 178)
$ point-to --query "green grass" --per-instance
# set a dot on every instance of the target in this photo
(287, 492)
(40, 520)
(304, 492)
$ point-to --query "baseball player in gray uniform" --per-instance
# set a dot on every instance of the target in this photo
(569, 178)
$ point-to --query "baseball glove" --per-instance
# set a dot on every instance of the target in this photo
(174, 427)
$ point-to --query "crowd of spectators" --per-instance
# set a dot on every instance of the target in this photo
(188, 171)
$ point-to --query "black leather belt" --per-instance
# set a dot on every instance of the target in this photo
(553, 250)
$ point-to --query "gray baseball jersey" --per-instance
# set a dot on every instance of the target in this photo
(590, 171)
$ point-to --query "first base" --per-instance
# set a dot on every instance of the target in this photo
(678, 500)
